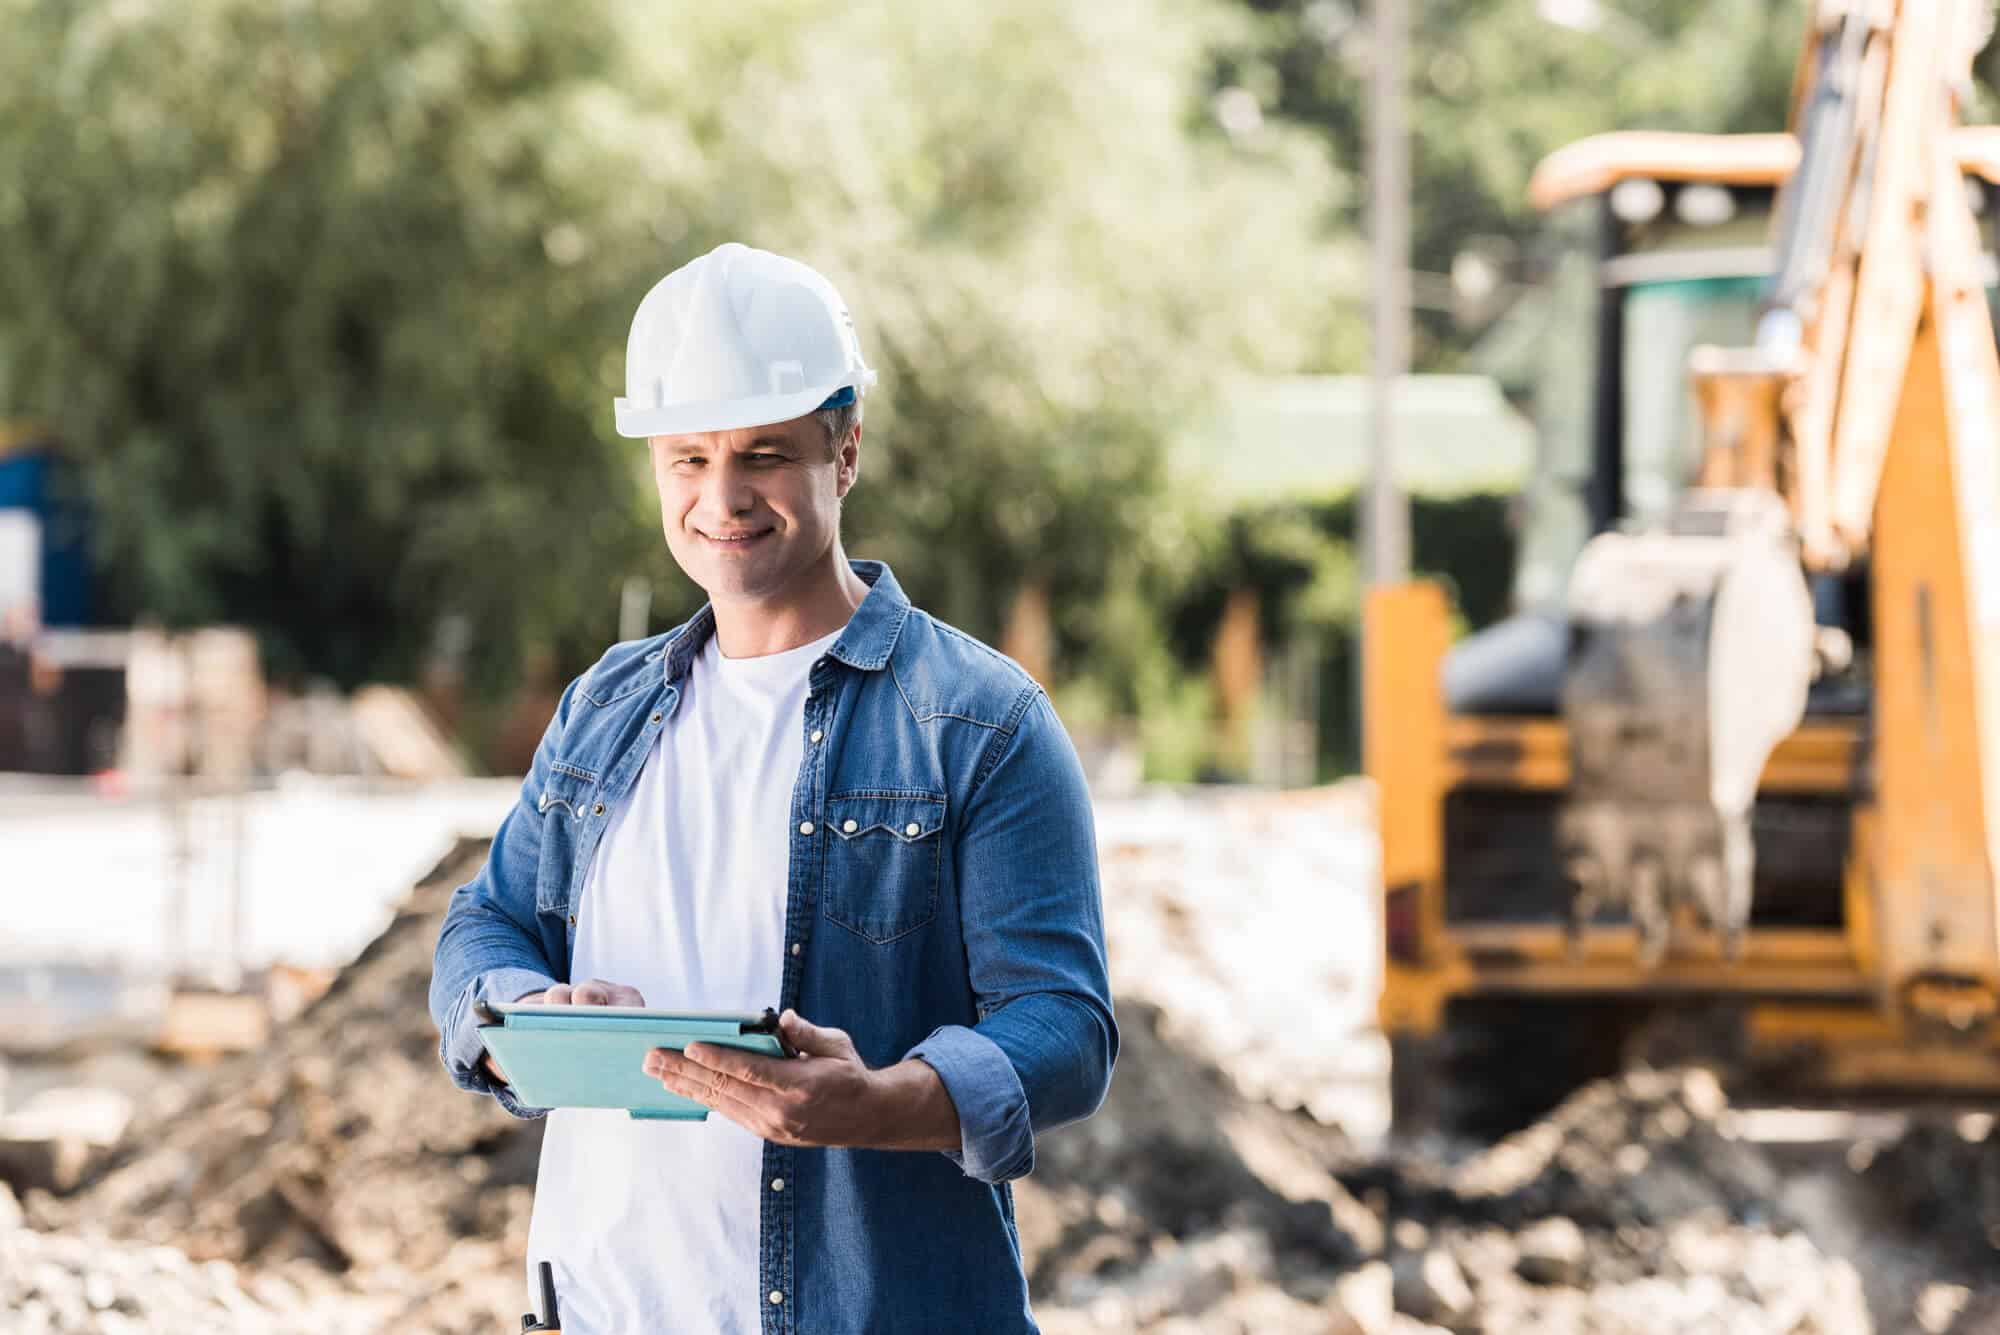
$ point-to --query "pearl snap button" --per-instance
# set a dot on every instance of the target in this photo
(817, 734)
(805, 827)
(849, 826)
(776, 1297)
(777, 1184)
(912, 829)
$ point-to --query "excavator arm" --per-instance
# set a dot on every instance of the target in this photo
(1862, 427)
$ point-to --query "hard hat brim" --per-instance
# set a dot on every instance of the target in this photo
(638, 421)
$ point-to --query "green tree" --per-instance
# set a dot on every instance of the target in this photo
(1053, 249)
(289, 282)
(1495, 86)
(330, 300)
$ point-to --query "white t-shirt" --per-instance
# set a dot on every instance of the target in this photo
(653, 1226)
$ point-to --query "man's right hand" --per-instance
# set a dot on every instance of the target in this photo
(590, 992)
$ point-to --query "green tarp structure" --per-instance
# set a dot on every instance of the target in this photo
(1308, 435)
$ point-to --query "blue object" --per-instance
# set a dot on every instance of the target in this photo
(841, 398)
(35, 479)
(941, 905)
(591, 1056)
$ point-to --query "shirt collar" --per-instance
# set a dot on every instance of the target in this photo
(866, 643)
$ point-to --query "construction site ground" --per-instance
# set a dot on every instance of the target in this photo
(1237, 1178)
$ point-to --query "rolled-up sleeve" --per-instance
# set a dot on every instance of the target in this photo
(997, 1138)
(1033, 923)
(460, 1046)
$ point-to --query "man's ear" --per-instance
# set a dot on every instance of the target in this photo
(847, 462)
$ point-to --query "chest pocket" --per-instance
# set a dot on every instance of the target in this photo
(566, 795)
(883, 862)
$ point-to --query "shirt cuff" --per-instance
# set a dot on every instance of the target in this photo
(460, 1047)
(997, 1144)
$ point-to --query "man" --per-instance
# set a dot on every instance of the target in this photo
(812, 796)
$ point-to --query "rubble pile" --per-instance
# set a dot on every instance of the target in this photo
(1941, 1180)
(1181, 1197)
(335, 1181)
(1250, 920)
(341, 1150)
(1925, 1206)
(1641, 1149)
(1183, 1207)
(1628, 1208)
(63, 1284)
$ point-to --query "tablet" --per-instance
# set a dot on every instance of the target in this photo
(593, 1056)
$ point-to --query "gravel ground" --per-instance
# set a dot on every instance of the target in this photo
(340, 1153)
(335, 1183)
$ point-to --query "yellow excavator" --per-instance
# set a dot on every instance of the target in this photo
(1730, 777)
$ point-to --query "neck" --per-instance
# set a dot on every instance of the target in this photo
(818, 602)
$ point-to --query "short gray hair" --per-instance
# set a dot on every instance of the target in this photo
(839, 423)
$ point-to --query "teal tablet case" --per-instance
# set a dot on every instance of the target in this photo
(593, 1056)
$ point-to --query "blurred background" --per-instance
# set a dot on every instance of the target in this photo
(310, 504)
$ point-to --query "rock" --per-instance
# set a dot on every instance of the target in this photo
(1429, 1286)
(91, 1285)
(1195, 1277)
(54, 1139)
(99, 1116)
(1340, 1321)
(52, 1162)
(1364, 1298)
(1552, 1252)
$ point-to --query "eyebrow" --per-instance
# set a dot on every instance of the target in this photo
(760, 443)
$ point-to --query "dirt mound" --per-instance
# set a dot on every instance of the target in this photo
(341, 1148)
(1628, 1208)
(1940, 1180)
(1640, 1149)
(1249, 919)
(87, 1284)
(340, 1160)
(1176, 1158)
(336, 1173)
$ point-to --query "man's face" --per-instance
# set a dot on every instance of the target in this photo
(747, 512)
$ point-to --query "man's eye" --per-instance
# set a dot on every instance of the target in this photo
(688, 461)
(763, 458)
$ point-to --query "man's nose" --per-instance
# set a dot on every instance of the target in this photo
(726, 490)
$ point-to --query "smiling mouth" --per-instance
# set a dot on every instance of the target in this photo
(735, 539)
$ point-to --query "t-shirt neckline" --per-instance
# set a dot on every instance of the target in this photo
(765, 668)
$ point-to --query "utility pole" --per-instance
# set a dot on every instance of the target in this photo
(1386, 525)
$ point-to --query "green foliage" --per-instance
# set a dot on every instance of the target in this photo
(1495, 87)
(286, 279)
(331, 300)
(1298, 555)
(1467, 543)
(1049, 266)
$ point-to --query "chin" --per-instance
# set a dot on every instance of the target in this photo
(740, 585)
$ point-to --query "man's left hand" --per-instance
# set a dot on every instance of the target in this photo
(825, 1096)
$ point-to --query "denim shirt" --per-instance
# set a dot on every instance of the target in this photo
(941, 902)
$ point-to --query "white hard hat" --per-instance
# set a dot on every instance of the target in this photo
(737, 338)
